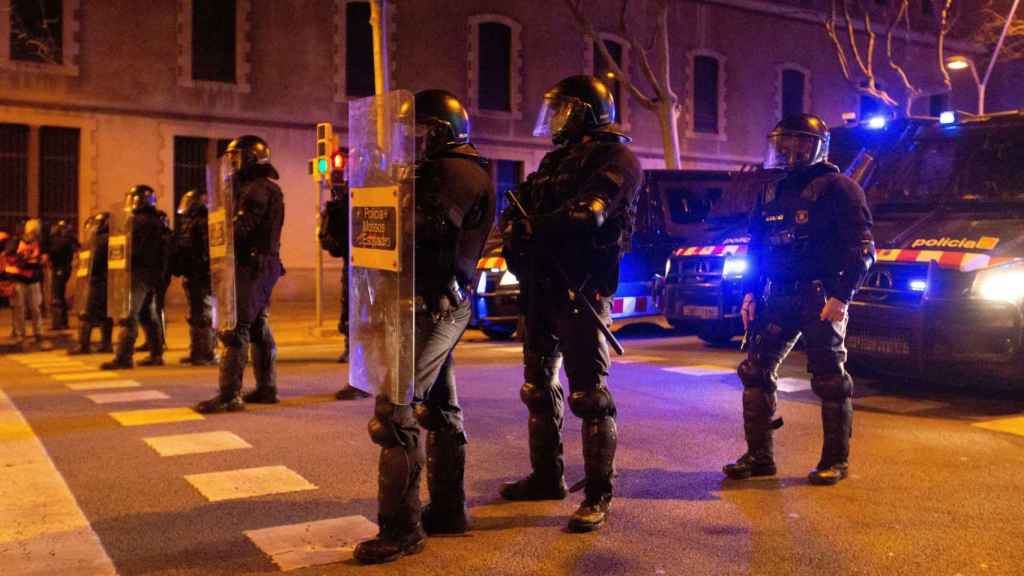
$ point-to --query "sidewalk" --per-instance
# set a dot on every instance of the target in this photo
(292, 322)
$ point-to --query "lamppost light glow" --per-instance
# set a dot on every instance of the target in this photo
(956, 63)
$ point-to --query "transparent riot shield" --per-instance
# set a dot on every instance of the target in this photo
(84, 268)
(381, 245)
(220, 225)
(119, 264)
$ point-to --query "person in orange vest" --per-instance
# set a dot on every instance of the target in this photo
(26, 269)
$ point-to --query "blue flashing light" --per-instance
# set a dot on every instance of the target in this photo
(734, 267)
(918, 285)
(947, 117)
(877, 122)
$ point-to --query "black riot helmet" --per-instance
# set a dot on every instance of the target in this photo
(59, 228)
(191, 200)
(138, 197)
(246, 152)
(797, 141)
(441, 123)
(574, 107)
(98, 223)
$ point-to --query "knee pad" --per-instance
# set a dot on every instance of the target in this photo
(591, 404)
(383, 433)
(429, 417)
(832, 387)
(539, 399)
(230, 338)
(753, 375)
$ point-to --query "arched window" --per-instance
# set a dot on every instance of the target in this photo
(494, 65)
(793, 90)
(707, 94)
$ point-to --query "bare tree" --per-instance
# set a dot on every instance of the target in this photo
(990, 27)
(662, 100)
(841, 24)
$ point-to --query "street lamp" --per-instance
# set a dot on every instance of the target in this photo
(963, 62)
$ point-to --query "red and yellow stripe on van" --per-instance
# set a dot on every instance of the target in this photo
(491, 263)
(963, 261)
(714, 250)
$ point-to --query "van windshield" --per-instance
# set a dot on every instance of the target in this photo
(967, 163)
(740, 198)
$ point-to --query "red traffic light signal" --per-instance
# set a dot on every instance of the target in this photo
(338, 161)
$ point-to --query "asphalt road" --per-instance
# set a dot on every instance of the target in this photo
(932, 491)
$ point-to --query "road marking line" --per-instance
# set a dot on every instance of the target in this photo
(313, 543)
(102, 385)
(897, 405)
(115, 397)
(791, 385)
(248, 483)
(199, 443)
(65, 369)
(155, 416)
(636, 359)
(97, 375)
(51, 363)
(1009, 425)
(701, 370)
(42, 529)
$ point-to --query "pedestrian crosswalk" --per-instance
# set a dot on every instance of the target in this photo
(312, 543)
(248, 483)
(196, 443)
(151, 416)
(122, 397)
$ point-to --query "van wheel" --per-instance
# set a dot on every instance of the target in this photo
(719, 333)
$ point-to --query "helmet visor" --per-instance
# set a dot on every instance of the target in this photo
(792, 150)
(553, 117)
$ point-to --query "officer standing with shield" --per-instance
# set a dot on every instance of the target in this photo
(454, 211)
(810, 249)
(192, 263)
(137, 263)
(63, 246)
(245, 220)
(580, 205)
(91, 286)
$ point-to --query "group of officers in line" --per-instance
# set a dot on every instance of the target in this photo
(811, 248)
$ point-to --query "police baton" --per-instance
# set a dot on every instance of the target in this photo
(590, 312)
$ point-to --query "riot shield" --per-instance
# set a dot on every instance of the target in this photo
(381, 244)
(85, 267)
(220, 225)
(119, 264)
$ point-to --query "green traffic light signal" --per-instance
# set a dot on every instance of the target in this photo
(322, 165)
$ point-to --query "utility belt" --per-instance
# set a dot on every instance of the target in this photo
(785, 288)
(453, 293)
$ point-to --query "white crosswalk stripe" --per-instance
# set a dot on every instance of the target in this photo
(312, 543)
(248, 483)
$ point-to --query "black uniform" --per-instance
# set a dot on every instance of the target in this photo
(810, 240)
(454, 211)
(599, 169)
(257, 223)
(334, 239)
(94, 313)
(192, 263)
(62, 252)
(150, 253)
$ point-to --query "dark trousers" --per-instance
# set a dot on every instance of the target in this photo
(435, 406)
(254, 286)
(564, 332)
(785, 315)
(199, 316)
(58, 298)
(143, 312)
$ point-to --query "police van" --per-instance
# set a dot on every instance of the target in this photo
(946, 295)
(670, 208)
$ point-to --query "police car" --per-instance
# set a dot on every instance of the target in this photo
(946, 295)
(670, 208)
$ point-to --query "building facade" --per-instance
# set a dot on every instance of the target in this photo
(98, 96)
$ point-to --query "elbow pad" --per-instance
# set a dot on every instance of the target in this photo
(860, 261)
(589, 212)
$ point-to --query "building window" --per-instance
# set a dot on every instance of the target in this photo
(37, 31)
(193, 157)
(58, 174)
(793, 90)
(937, 104)
(495, 66)
(359, 71)
(594, 63)
(13, 175)
(707, 102)
(927, 8)
(213, 40)
(507, 174)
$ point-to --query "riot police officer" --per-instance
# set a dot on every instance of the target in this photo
(91, 287)
(581, 202)
(257, 222)
(63, 246)
(149, 260)
(810, 250)
(454, 210)
(192, 263)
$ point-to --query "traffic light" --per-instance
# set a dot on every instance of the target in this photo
(324, 146)
(339, 160)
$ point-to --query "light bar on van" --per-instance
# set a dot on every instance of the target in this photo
(947, 117)
(734, 267)
(918, 285)
(877, 122)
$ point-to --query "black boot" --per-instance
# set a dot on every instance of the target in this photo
(446, 465)
(600, 439)
(264, 366)
(351, 393)
(84, 336)
(232, 365)
(543, 396)
(837, 426)
(758, 427)
(107, 336)
(398, 495)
